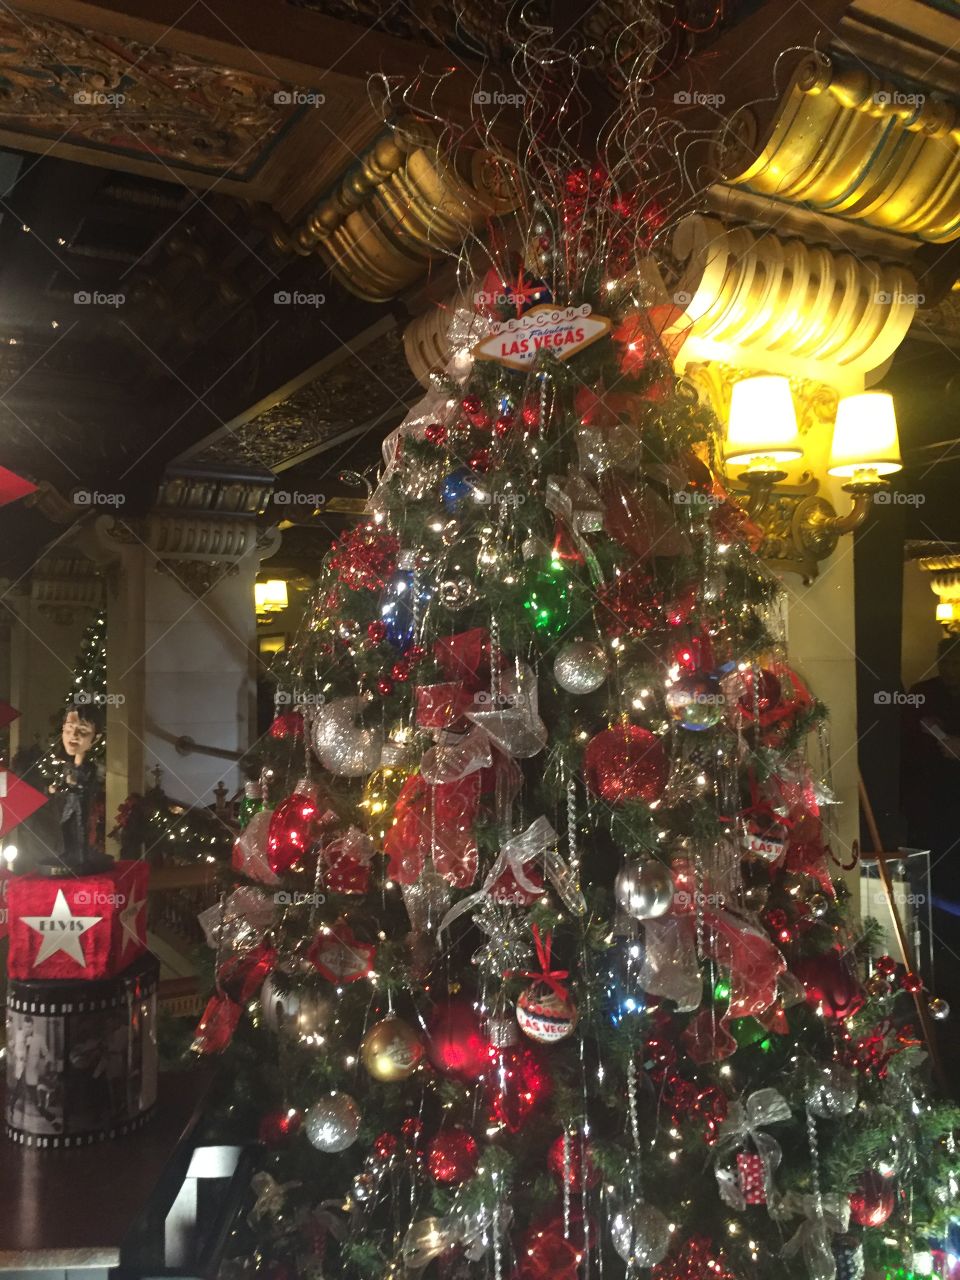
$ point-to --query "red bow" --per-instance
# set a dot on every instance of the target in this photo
(554, 978)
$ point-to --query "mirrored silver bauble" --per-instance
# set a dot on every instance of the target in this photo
(644, 890)
(456, 593)
(832, 1093)
(580, 667)
(938, 1008)
(343, 746)
(332, 1124)
(298, 1009)
(640, 1235)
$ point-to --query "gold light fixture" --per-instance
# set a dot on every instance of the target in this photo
(270, 597)
(800, 527)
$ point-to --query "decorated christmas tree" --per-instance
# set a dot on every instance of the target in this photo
(537, 965)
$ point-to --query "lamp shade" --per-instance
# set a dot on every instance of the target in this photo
(270, 596)
(763, 424)
(865, 436)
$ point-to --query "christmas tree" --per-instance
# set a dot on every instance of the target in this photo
(537, 966)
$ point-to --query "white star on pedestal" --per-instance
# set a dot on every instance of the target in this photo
(130, 924)
(61, 931)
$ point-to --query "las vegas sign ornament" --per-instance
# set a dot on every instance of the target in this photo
(561, 331)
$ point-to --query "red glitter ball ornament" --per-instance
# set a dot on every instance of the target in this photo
(531, 414)
(287, 724)
(472, 407)
(911, 982)
(873, 1201)
(400, 670)
(503, 426)
(295, 827)
(365, 557)
(518, 1083)
(886, 965)
(452, 1157)
(277, 1126)
(411, 1130)
(456, 1042)
(626, 763)
(696, 1259)
(435, 433)
(479, 460)
(376, 632)
(831, 984)
(385, 686)
(384, 1146)
(577, 1168)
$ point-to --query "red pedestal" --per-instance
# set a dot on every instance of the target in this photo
(79, 927)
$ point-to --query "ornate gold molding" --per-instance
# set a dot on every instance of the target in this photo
(405, 203)
(848, 143)
(786, 305)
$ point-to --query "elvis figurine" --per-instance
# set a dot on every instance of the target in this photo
(73, 795)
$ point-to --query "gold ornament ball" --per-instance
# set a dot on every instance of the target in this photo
(380, 793)
(391, 1050)
(877, 985)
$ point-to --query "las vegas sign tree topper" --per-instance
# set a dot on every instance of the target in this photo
(562, 331)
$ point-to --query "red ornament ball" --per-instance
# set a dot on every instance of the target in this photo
(452, 1157)
(277, 1126)
(886, 965)
(911, 982)
(435, 433)
(287, 724)
(416, 653)
(376, 632)
(872, 1202)
(384, 1146)
(531, 415)
(400, 671)
(456, 1042)
(295, 827)
(412, 1130)
(578, 1167)
(503, 426)
(626, 763)
(385, 686)
(479, 460)
(761, 692)
(831, 984)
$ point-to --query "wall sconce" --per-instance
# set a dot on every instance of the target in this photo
(801, 528)
(270, 597)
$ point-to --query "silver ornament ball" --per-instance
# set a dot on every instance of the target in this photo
(580, 667)
(938, 1008)
(342, 745)
(332, 1124)
(644, 890)
(456, 593)
(818, 904)
(640, 1235)
(832, 1093)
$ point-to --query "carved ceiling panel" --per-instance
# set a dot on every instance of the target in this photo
(106, 93)
(371, 386)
